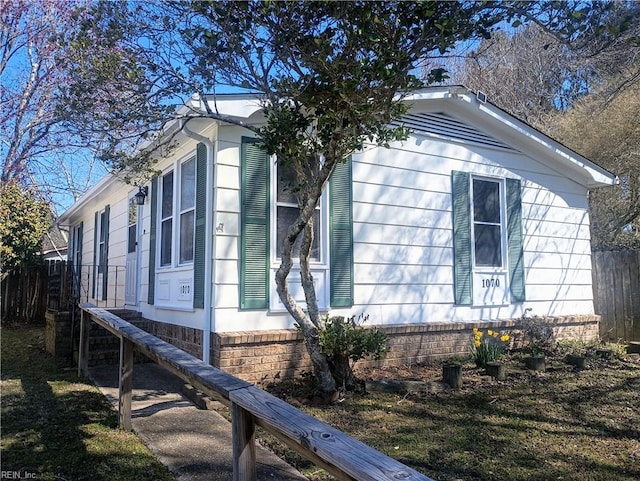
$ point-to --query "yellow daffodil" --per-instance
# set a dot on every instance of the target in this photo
(504, 337)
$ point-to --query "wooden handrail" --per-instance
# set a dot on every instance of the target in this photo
(341, 455)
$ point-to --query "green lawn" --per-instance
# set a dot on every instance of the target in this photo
(57, 426)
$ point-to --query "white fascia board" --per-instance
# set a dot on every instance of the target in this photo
(597, 176)
(527, 139)
(433, 93)
(240, 106)
(103, 184)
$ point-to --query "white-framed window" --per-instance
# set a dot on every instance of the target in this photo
(176, 205)
(488, 223)
(102, 238)
(166, 219)
(285, 213)
(187, 210)
(284, 210)
(132, 228)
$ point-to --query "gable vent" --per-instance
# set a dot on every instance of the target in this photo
(447, 127)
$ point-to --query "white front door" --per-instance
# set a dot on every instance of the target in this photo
(131, 268)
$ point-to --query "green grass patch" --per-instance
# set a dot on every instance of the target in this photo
(563, 424)
(57, 426)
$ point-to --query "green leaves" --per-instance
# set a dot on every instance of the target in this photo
(24, 220)
(344, 337)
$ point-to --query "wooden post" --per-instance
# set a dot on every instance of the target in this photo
(244, 446)
(452, 375)
(83, 346)
(496, 370)
(126, 384)
(578, 361)
(535, 363)
(633, 347)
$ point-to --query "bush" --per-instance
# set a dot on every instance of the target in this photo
(344, 341)
(538, 336)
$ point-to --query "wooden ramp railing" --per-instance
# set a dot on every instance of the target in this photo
(341, 455)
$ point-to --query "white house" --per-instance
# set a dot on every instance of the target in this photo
(473, 220)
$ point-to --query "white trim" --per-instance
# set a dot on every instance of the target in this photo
(503, 223)
(319, 268)
(176, 169)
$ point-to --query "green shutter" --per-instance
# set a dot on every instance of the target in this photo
(254, 231)
(152, 240)
(341, 236)
(515, 240)
(105, 267)
(199, 259)
(462, 269)
(96, 244)
(79, 247)
(76, 260)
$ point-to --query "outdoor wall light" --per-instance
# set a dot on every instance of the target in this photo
(141, 195)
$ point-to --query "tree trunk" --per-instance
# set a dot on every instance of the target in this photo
(309, 321)
(343, 372)
(321, 369)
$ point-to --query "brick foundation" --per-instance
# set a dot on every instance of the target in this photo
(262, 356)
(57, 339)
(186, 338)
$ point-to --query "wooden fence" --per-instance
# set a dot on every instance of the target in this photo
(341, 455)
(616, 291)
(24, 294)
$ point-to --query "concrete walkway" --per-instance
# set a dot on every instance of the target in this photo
(193, 443)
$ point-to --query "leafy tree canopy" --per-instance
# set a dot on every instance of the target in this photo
(24, 220)
(607, 130)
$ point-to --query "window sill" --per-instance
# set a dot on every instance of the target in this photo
(175, 308)
(185, 268)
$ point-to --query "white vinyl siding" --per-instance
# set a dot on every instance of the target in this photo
(403, 236)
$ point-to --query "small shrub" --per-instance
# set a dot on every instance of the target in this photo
(488, 348)
(344, 341)
(538, 336)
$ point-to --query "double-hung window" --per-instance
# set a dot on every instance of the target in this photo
(268, 206)
(177, 201)
(287, 211)
(488, 228)
(166, 220)
(187, 209)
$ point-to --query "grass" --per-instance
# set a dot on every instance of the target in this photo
(563, 424)
(57, 426)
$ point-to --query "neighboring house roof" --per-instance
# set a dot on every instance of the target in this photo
(55, 240)
(452, 107)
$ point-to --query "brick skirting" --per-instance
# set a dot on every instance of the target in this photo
(262, 356)
(186, 338)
